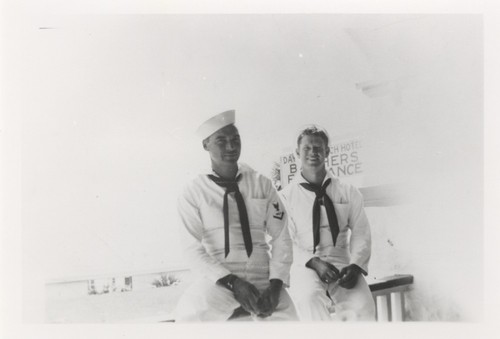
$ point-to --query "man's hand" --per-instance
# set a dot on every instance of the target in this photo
(270, 298)
(247, 295)
(349, 276)
(325, 271)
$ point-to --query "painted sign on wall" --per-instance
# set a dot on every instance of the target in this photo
(343, 161)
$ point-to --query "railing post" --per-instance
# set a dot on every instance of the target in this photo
(383, 308)
(397, 306)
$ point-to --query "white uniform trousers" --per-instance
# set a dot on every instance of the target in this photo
(204, 300)
(313, 304)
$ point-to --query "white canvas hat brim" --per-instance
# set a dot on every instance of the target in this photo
(215, 123)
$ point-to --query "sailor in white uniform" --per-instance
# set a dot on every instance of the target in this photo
(331, 236)
(235, 234)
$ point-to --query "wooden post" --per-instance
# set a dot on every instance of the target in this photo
(383, 308)
(397, 306)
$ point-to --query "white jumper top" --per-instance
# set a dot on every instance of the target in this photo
(353, 244)
(200, 207)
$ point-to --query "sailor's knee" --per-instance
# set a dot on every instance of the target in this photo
(366, 305)
(184, 310)
(368, 311)
(310, 296)
(356, 309)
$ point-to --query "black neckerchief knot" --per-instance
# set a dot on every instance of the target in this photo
(231, 186)
(322, 197)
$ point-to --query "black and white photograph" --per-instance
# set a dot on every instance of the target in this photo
(165, 170)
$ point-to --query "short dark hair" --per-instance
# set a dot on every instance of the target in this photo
(313, 130)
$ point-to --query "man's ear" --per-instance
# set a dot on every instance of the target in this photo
(297, 152)
(327, 151)
(204, 143)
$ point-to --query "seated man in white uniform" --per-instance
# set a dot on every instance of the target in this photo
(227, 215)
(331, 235)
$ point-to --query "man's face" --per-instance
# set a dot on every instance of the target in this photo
(224, 145)
(312, 151)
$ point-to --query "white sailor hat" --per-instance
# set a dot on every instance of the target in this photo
(215, 123)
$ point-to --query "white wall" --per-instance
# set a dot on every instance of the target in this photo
(427, 135)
